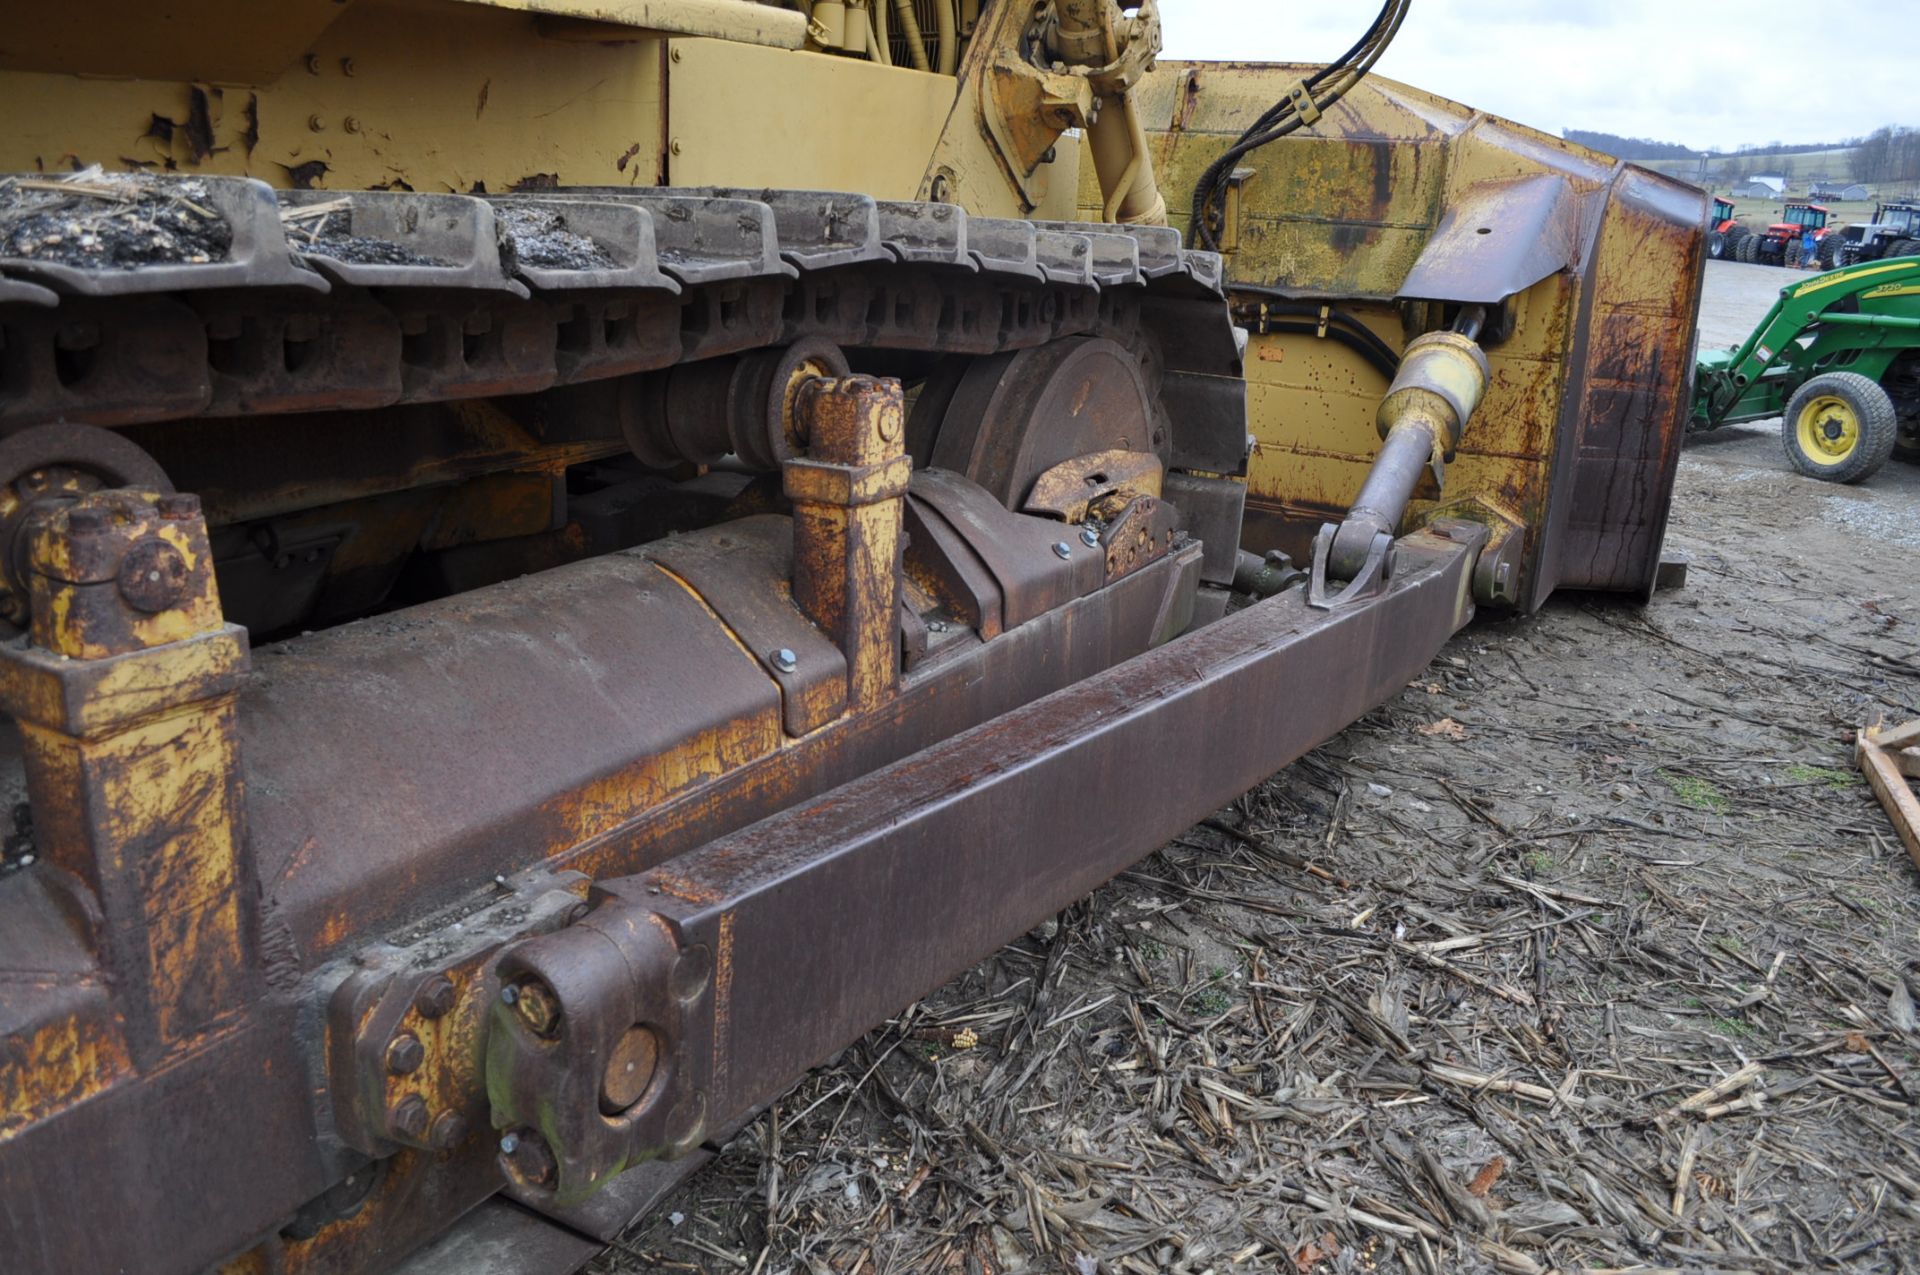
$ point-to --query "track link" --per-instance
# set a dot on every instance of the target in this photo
(370, 299)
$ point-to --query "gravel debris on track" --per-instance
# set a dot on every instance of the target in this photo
(1588, 952)
(326, 230)
(538, 237)
(94, 220)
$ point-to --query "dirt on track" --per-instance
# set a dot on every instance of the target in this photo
(1605, 963)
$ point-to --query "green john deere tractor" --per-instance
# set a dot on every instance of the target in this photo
(1838, 357)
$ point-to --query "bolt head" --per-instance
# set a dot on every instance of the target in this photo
(784, 660)
(538, 1008)
(449, 1131)
(153, 576)
(408, 1118)
(405, 1053)
(436, 997)
(1089, 537)
(178, 506)
(529, 1163)
(1062, 549)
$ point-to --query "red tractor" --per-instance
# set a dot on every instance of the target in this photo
(1724, 231)
(1799, 238)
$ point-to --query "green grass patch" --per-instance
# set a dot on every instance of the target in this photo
(1697, 793)
(1825, 775)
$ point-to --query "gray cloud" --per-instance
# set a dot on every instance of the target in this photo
(1708, 76)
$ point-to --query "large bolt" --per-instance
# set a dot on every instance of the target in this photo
(448, 1132)
(153, 576)
(405, 1053)
(1062, 549)
(784, 660)
(408, 1118)
(436, 997)
(177, 506)
(1089, 537)
(526, 1159)
(535, 1004)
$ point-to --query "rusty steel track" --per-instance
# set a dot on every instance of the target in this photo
(463, 306)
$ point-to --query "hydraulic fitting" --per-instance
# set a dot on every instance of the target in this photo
(1442, 378)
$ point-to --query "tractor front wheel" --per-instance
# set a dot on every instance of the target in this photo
(1796, 255)
(1828, 253)
(1839, 428)
(1716, 245)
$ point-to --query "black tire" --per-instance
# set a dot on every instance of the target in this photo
(1840, 428)
(1716, 245)
(1744, 253)
(1795, 256)
(1905, 248)
(1828, 253)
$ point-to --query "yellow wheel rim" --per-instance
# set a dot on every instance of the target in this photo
(1829, 430)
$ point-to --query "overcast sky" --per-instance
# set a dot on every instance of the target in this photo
(1705, 75)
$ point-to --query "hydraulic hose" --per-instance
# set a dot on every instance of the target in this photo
(910, 31)
(1299, 108)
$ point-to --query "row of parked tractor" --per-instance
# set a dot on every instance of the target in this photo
(1804, 237)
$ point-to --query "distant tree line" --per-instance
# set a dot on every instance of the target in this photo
(1632, 149)
(1639, 149)
(1890, 154)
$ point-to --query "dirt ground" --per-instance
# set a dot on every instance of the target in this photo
(1604, 965)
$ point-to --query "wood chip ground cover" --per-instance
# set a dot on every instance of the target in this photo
(1612, 973)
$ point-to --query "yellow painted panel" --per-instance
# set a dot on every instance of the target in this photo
(746, 116)
(494, 104)
(744, 20)
(226, 41)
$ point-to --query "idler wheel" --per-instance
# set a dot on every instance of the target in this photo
(1005, 420)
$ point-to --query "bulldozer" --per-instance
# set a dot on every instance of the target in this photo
(566, 558)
